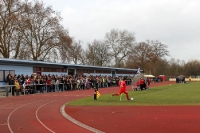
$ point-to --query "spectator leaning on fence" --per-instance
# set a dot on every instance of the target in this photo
(17, 87)
(57, 85)
(49, 83)
(11, 82)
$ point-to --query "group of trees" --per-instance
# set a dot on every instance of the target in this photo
(31, 31)
(176, 67)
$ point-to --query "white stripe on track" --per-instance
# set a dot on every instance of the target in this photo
(62, 110)
(3, 124)
(8, 119)
(5, 105)
(40, 120)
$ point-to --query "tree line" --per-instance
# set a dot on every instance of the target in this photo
(33, 31)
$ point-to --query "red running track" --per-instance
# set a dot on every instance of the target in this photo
(40, 113)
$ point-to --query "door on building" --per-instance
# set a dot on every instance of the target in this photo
(113, 73)
(70, 71)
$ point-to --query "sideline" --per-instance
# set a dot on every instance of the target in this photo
(62, 110)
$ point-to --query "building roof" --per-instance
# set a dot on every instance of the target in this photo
(9, 61)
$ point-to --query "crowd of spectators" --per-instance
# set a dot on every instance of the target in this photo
(54, 83)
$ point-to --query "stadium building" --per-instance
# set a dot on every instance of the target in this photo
(28, 67)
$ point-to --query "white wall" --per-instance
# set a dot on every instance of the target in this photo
(26, 70)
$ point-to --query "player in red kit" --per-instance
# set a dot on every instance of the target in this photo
(122, 85)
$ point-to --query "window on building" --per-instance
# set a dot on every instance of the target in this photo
(1, 76)
(4, 74)
(12, 73)
(64, 70)
(48, 69)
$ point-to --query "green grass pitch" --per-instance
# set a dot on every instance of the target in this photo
(174, 95)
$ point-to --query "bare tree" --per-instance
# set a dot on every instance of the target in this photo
(159, 49)
(161, 67)
(53, 57)
(75, 52)
(64, 45)
(83, 57)
(10, 36)
(146, 55)
(140, 56)
(175, 67)
(42, 29)
(120, 42)
(98, 54)
(192, 68)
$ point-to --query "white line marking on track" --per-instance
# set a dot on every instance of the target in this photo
(3, 124)
(40, 120)
(62, 110)
(8, 119)
(4, 105)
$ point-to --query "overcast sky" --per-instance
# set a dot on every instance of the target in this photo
(175, 23)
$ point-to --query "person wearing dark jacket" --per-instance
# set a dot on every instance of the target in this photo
(12, 83)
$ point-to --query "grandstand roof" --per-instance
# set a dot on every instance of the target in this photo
(10, 61)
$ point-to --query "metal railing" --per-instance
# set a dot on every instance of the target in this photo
(10, 90)
(7, 90)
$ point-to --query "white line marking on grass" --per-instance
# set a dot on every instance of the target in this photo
(62, 110)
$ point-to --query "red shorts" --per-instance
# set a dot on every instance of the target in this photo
(122, 91)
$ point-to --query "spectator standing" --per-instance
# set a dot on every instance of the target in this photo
(40, 84)
(12, 83)
(17, 87)
(8, 83)
(103, 82)
(53, 82)
(48, 83)
(57, 85)
(78, 84)
(82, 86)
(68, 84)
